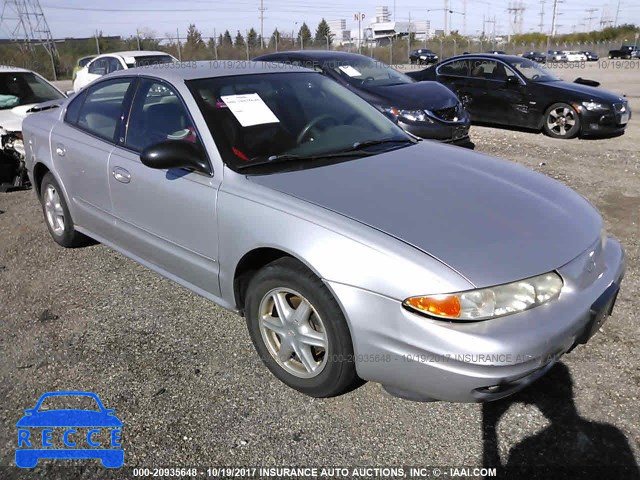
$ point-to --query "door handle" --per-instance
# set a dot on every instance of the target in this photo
(121, 175)
(60, 151)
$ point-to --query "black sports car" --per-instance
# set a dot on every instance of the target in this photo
(591, 56)
(423, 56)
(514, 91)
(425, 109)
(535, 56)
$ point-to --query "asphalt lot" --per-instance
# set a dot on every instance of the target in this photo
(184, 379)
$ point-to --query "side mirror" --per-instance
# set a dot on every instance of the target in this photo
(513, 81)
(175, 154)
(68, 93)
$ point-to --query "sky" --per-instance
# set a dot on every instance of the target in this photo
(81, 18)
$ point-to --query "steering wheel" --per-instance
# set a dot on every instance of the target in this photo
(535, 77)
(313, 123)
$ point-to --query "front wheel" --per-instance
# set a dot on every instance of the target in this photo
(561, 121)
(299, 330)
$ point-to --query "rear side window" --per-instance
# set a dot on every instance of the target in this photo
(457, 68)
(102, 108)
(99, 66)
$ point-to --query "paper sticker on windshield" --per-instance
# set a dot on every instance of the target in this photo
(249, 109)
(349, 70)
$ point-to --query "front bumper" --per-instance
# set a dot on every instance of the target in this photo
(604, 123)
(456, 133)
(423, 359)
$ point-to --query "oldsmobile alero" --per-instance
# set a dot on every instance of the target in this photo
(354, 251)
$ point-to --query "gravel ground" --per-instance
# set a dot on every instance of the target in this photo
(183, 377)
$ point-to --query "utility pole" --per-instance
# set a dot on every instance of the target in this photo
(446, 17)
(541, 24)
(590, 17)
(464, 18)
(215, 44)
(261, 10)
(138, 38)
(554, 18)
(97, 43)
(615, 23)
(179, 49)
(359, 16)
(409, 40)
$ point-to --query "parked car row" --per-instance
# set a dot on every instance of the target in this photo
(437, 103)
(561, 56)
(354, 251)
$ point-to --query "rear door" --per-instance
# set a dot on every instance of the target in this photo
(81, 146)
(166, 218)
(456, 75)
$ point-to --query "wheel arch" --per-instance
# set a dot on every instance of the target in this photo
(39, 171)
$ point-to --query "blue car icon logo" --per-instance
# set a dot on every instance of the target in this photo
(69, 433)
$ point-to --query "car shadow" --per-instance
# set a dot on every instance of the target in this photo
(570, 447)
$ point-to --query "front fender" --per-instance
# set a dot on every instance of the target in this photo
(337, 249)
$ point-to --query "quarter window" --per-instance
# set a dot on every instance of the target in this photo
(157, 115)
(102, 108)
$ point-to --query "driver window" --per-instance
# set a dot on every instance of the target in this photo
(157, 115)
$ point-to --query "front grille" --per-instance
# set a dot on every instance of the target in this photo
(450, 114)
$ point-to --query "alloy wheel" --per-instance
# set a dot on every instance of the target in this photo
(53, 210)
(293, 332)
(561, 120)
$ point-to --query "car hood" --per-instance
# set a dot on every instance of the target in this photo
(414, 96)
(592, 93)
(69, 418)
(490, 220)
(11, 119)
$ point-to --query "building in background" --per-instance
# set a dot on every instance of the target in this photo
(339, 31)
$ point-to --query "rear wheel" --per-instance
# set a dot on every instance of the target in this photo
(57, 216)
(299, 330)
(561, 121)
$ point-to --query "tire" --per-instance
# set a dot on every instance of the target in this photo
(561, 121)
(326, 369)
(57, 216)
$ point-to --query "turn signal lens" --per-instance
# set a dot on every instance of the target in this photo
(491, 302)
(440, 305)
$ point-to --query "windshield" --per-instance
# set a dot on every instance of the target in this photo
(84, 60)
(257, 119)
(365, 71)
(69, 402)
(533, 71)
(143, 61)
(24, 88)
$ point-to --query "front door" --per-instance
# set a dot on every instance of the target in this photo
(166, 218)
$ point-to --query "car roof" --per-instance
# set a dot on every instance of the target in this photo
(134, 53)
(321, 55)
(10, 69)
(207, 69)
(489, 56)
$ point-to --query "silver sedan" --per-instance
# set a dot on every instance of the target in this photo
(354, 251)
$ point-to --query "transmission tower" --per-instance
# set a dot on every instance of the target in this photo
(517, 9)
(25, 23)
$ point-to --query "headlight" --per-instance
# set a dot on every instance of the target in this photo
(593, 106)
(491, 302)
(411, 115)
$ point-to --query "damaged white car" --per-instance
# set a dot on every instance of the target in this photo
(21, 92)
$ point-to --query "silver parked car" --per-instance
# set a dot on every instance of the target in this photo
(354, 251)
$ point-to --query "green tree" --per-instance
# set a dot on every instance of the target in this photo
(275, 39)
(322, 33)
(252, 38)
(194, 37)
(304, 35)
(239, 43)
(194, 48)
(226, 40)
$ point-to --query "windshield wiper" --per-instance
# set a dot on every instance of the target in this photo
(285, 157)
(349, 151)
(381, 141)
